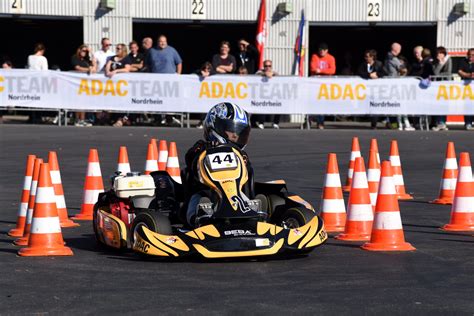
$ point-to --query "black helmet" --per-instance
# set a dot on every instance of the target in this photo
(227, 123)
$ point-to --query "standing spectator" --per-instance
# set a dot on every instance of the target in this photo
(203, 72)
(267, 72)
(147, 43)
(417, 65)
(371, 68)
(427, 64)
(82, 61)
(442, 66)
(135, 58)
(466, 71)
(247, 57)
(164, 59)
(224, 63)
(102, 56)
(118, 63)
(322, 64)
(37, 61)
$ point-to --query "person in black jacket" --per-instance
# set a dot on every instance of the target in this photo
(247, 57)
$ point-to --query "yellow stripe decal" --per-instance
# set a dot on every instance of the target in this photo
(230, 254)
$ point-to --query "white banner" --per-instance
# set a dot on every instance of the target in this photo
(187, 93)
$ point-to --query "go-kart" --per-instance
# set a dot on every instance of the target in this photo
(235, 217)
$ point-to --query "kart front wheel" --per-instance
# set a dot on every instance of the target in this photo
(152, 220)
(296, 217)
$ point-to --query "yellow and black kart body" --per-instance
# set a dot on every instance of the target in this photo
(145, 213)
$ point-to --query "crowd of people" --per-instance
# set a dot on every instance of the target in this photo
(163, 58)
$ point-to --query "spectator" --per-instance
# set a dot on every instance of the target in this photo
(392, 62)
(243, 71)
(135, 58)
(247, 57)
(118, 63)
(164, 60)
(37, 61)
(203, 72)
(102, 56)
(81, 61)
(442, 66)
(427, 64)
(417, 65)
(466, 71)
(224, 63)
(267, 72)
(7, 64)
(322, 64)
(147, 43)
(371, 68)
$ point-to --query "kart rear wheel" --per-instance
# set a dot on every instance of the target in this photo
(296, 217)
(152, 220)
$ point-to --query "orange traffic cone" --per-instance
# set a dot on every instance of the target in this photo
(163, 155)
(25, 196)
(359, 210)
(172, 166)
(123, 165)
(462, 211)
(333, 210)
(58, 191)
(450, 175)
(387, 231)
(151, 160)
(355, 152)
(397, 172)
(93, 185)
(373, 177)
(154, 142)
(23, 241)
(375, 147)
(46, 238)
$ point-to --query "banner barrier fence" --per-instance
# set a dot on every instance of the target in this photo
(278, 95)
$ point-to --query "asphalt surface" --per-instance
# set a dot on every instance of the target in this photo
(337, 278)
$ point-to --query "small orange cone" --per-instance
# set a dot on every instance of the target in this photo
(123, 165)
(23, 241)
(355, 152)
(387, 231)
(93, 185)
(46, 238)
(25, 196)
(172, 166)
(450, 175)
(462, 211)
(163, 155)
(154, 142)
(58, 191)
(151, 160)
(333, 210)
(359, 210)
(397, 172)
(373, 177)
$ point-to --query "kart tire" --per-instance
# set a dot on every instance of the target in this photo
(152, 220)
(296, 217)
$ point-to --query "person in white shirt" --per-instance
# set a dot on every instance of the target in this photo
(37, 61)
(102, 56)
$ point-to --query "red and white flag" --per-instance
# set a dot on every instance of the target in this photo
(261, 32)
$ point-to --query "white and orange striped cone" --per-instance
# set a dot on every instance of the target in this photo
(373, 177)
(163, 155)
(333, 210)
(462, 211)
(355, 152)
(151, 164)
(375, 147)
(154, 142)
(93, 185)
(25, 196)
(23, 241)
(449, 178)
(397, 172)
(123, 165)
(387, 231)
(359, 210)
(172, 166)
(59, 191)
(46, 238)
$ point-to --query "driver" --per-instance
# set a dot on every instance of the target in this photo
(225, 123)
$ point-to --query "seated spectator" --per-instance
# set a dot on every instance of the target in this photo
(442, 66)
(224, 63)
(371, 68)
(37, 61)
(466, 71)
(242, 71)
(102, 56)
(267, 72)
(247, 56)
(135, 58)
(119, 63)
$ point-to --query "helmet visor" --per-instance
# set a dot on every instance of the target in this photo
(234, 131)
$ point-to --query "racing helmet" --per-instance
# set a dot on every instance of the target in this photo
(227, 123)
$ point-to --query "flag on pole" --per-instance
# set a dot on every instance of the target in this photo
(300, 50)
(261, 32)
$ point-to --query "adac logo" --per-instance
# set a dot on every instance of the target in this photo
(2, 79)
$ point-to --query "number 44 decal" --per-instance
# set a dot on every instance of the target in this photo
(221, 161)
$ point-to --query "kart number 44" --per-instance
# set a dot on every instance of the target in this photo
(222, 161)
